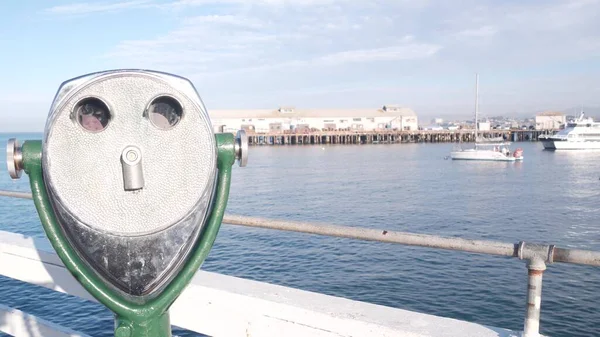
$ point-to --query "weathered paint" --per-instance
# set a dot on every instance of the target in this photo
(535, 272)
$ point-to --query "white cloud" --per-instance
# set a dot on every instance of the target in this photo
(260, 35)
(225, 20)
(252, 48)
(335, 60)
(189, 3)
(484, 31)
(89, 8)
(98, 7)
(403, 52)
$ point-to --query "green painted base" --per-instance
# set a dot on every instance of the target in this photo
(154, 327)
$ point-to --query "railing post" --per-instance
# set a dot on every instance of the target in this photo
(535, 271)
(537, 256)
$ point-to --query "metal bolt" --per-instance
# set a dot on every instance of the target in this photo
(241, 148)
(14, 158)
(131, 155)
(123, 331)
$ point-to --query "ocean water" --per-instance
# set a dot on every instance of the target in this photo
(551, 197)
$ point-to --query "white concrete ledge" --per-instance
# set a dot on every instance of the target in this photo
(20, 324)
(219, 305)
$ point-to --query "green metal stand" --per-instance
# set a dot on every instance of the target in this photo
(132, 320)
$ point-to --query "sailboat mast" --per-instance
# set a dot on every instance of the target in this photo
(476, 104)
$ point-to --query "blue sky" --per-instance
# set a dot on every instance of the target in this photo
(531, 55)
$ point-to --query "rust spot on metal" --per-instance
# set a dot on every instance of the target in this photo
(536, 272)
(532, 305)
(384, 232)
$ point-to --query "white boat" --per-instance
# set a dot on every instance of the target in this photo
(579, 134)
(482, 150)
(488, 152)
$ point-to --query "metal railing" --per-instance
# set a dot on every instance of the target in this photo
(536, 255)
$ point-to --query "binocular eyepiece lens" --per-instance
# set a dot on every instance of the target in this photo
(165, 112)
(92, 114)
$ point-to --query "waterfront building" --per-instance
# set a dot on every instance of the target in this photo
(549, 120)
(484, 126)
(289, 119)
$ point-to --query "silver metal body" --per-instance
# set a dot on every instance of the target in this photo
(133, 197)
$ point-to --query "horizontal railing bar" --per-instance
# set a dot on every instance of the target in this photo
(15, 194)
(576, 256)
(411, 239)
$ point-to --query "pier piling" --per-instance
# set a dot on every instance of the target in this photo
(387, 136)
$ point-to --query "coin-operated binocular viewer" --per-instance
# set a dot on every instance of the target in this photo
(130, 183)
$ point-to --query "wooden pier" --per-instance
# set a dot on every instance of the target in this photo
(387, 137)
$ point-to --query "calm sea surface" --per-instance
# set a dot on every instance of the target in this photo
(548, 198)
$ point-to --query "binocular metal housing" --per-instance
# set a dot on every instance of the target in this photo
(130, 183)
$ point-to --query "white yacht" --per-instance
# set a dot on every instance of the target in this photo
(482, 150)
(579, 134)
